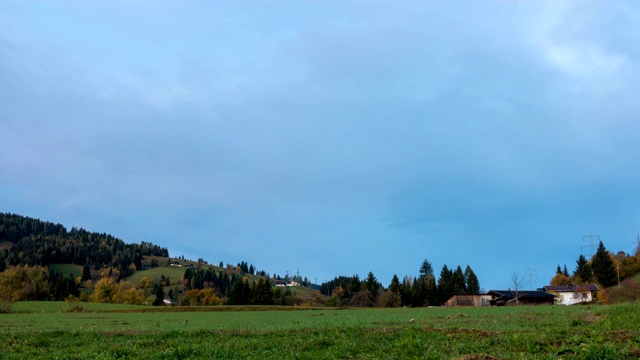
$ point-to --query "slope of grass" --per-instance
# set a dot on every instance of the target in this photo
(66, 269)
(174, 274)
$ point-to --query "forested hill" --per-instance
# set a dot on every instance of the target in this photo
(28, 241)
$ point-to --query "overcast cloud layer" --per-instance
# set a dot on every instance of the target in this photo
(336, 138)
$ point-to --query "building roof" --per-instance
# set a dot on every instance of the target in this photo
(571, 288)
(522, 294)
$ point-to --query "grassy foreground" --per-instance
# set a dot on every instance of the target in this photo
(109, 332)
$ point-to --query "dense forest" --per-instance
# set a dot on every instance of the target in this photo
(40, 243)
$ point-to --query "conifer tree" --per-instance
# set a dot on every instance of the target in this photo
(583, 272)
(395, 284)
(426, 268)
(473, 285)
(603, 267)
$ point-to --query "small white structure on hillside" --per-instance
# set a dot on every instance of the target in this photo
(572, 294)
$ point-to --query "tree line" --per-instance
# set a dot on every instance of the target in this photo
(423, 290)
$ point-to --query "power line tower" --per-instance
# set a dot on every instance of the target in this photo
(531, 277)
(591, 244)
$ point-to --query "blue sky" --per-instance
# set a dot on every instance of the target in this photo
(332, 137)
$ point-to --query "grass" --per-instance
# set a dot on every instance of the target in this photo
(174, 273)
(66, 269)
(549, 332)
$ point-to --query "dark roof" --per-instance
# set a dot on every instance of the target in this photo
(571, 287)
(522, 294)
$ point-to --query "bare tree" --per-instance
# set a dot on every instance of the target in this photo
(518, 282)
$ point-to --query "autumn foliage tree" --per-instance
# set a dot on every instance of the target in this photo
(24, 283)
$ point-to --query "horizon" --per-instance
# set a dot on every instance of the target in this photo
(336, 138)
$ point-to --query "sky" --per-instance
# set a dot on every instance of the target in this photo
(329, 137)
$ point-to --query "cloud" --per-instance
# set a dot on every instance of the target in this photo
(570, 41)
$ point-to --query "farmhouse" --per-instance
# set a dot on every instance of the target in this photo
(475, 300)
(525, 297)
(572, 294)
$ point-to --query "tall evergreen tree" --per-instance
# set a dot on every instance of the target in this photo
(159, 296)
(426, 268)
(86, 272)
(418, 292)
(395, 284)
(445, 284)
(473, 285)
(583, 272)
(603, 267)
(459, 286)
(373, 286)
(354, 286)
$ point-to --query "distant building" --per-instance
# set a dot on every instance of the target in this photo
(475, 300)
(525, 297)
(572, 294)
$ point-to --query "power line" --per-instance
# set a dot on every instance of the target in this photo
(591, 245)
(531, 277)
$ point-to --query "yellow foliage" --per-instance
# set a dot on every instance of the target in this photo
(209, 297)
(24, 283)
(128, 294)
(560, 279)
(105, 291)
(192, 298)
(603, 297)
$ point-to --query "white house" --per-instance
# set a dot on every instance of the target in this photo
(572, 294)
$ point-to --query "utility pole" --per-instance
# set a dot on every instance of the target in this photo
(532, 277)
(591, 245)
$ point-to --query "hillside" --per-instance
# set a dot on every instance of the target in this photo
(33, 242)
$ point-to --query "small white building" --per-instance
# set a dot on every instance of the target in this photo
(572, 294)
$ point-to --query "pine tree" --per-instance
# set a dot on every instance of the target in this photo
(603, 267)
(159, 296)
(473, 285)
(395, 284)
(583, 272)
(372, 286)
(426, 268)
(459, 286)
(86, 272)
(445, 285)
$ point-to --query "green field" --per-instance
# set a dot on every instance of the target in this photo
(66, 269)
(108, 331)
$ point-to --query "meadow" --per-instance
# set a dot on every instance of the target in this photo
(57, 330)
